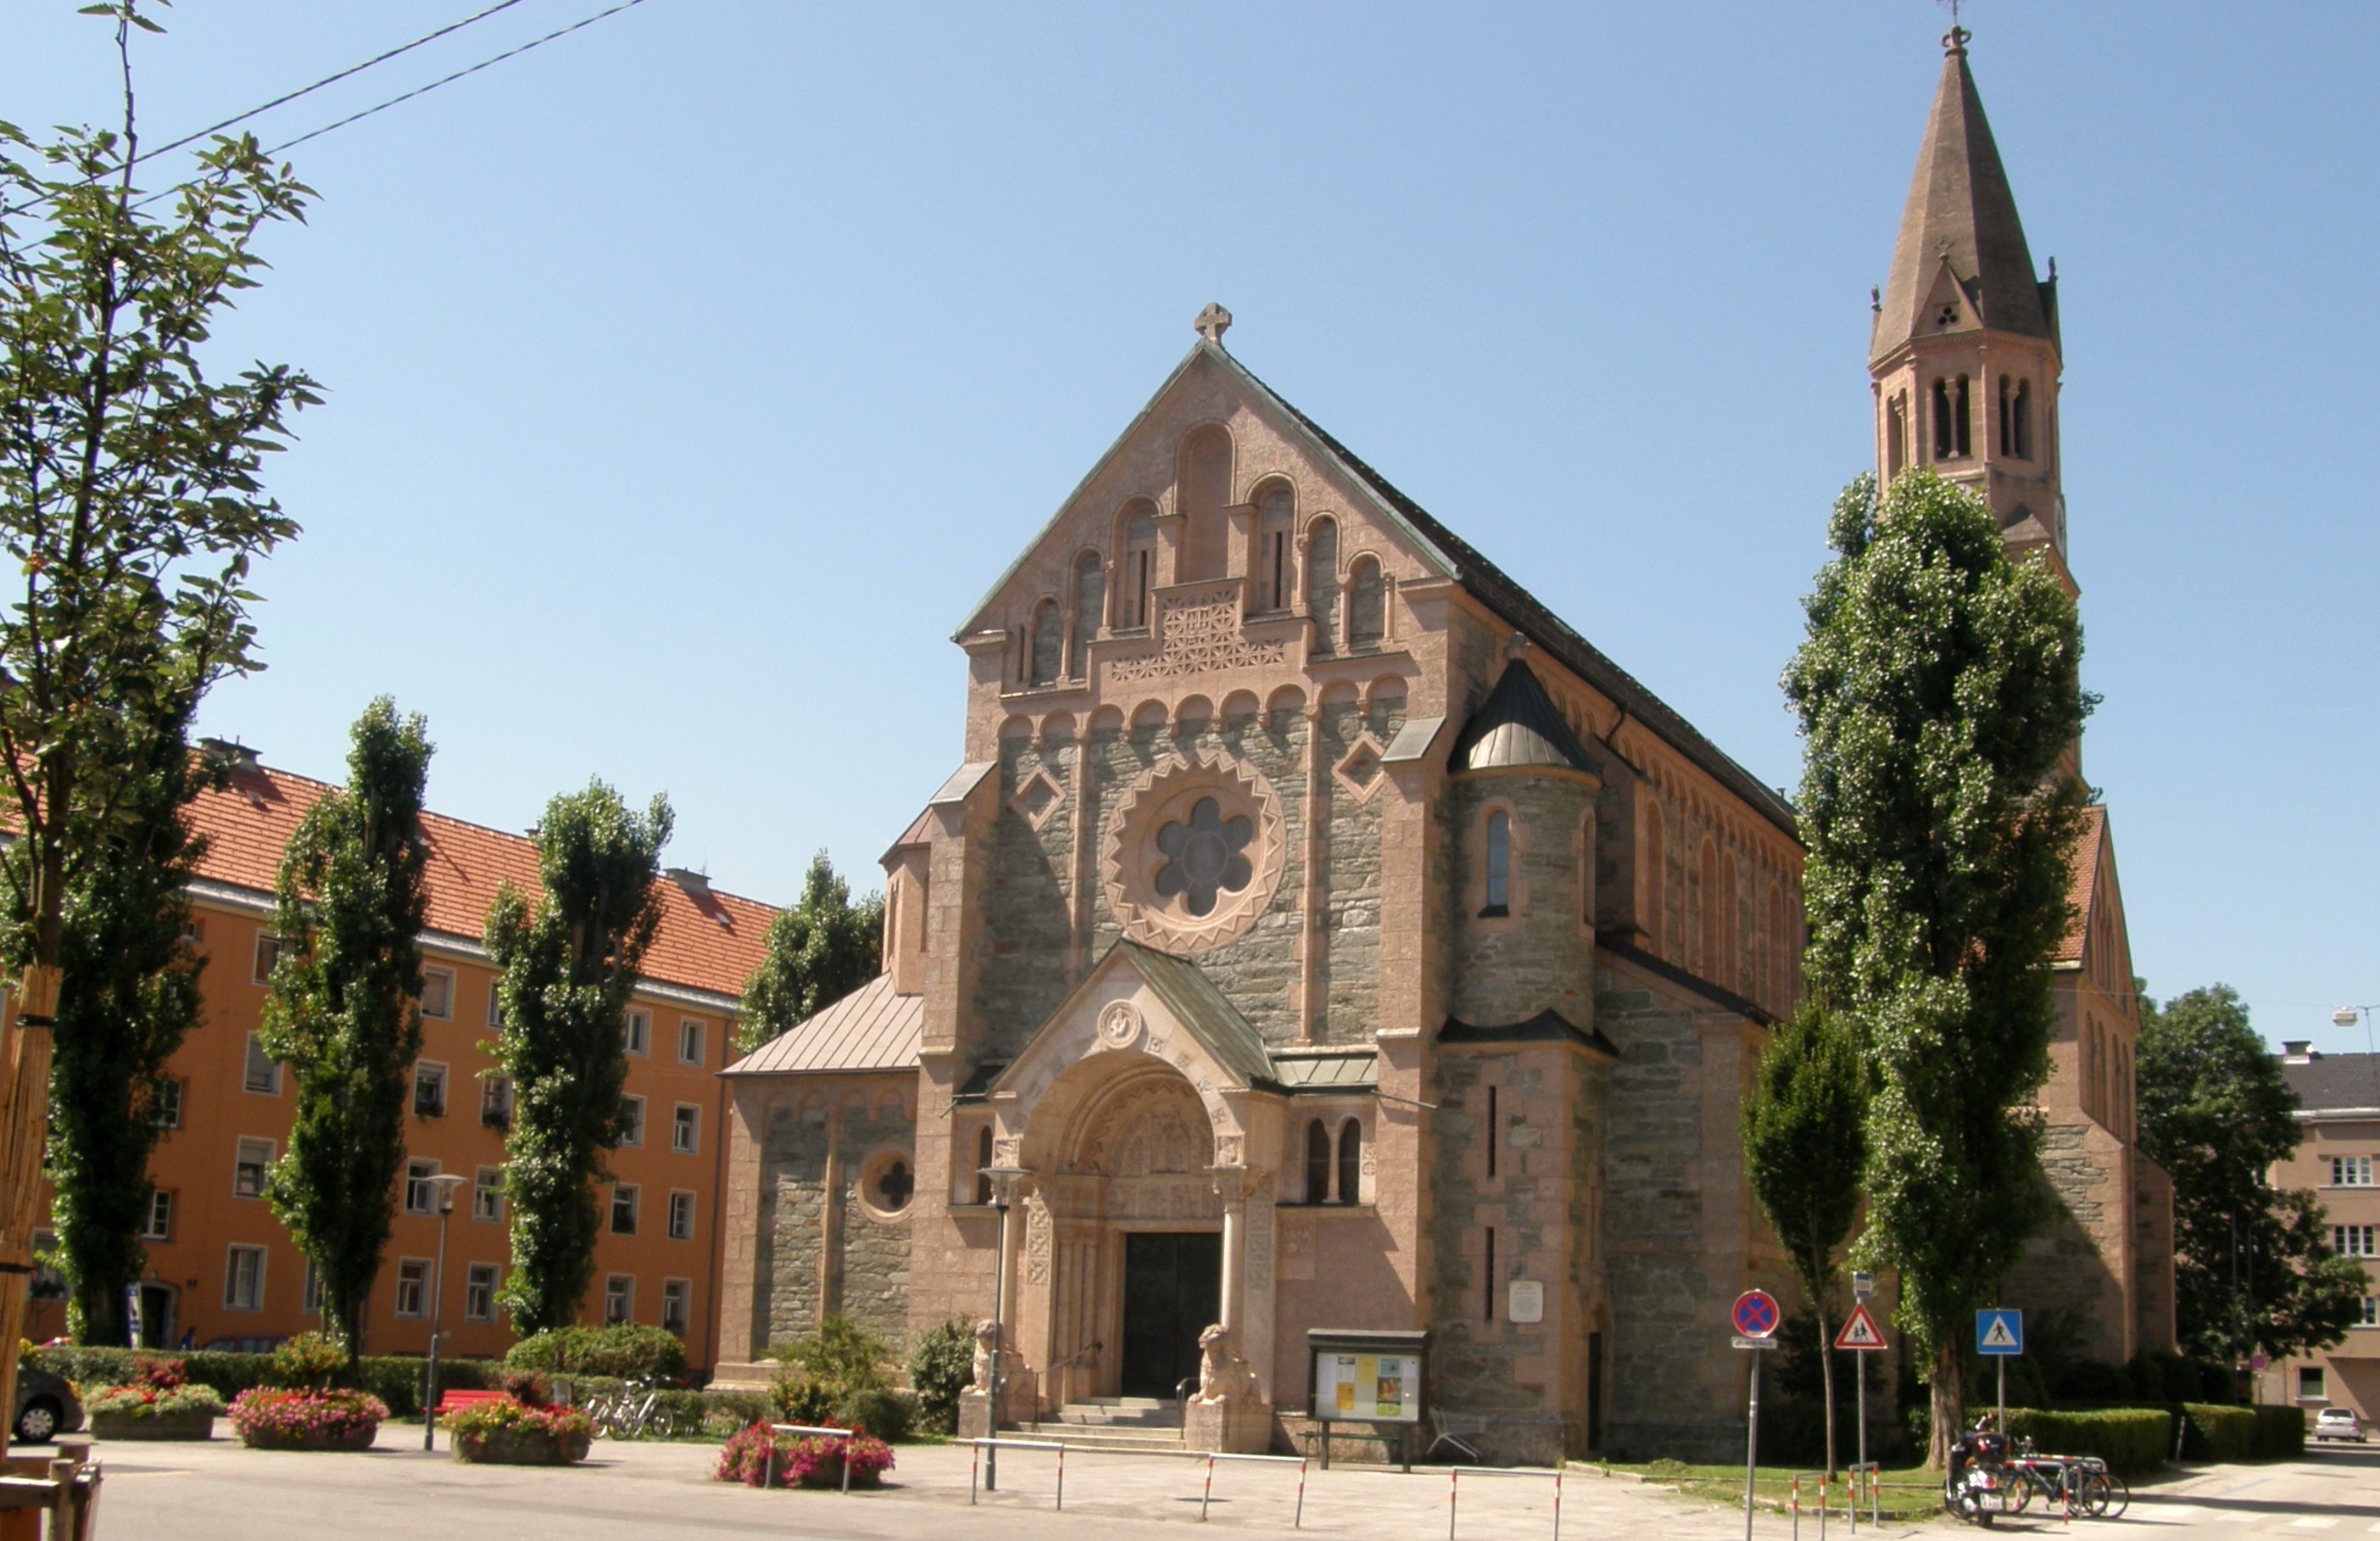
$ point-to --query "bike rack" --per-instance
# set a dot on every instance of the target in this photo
(1454, 1477)
(975, 1461)
(1871, 1476)
(769, 1472)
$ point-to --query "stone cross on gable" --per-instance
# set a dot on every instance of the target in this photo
(1213, 321)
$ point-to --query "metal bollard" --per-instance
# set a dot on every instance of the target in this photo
(1061, 1477)
(1207, 1492)
(1297, 1520)
(1796, 1491)
(1452, 1477)
(974, 1465)
(1558, 1472)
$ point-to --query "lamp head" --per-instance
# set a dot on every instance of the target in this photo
(2343, 1017)
(446, 1183)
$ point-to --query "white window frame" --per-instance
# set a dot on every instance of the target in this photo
(624, 1287)
(421, 1196)
(158, 1224)
(266, 957)
(232, 1254)
(636, 1197)
(421, 1286)
(2350, 1171)
(472, 1311)
(445, 1012)
(696, 1030)
(2371, 1312)
(496, 1001)
(685, 1133)
(488, 1181)
(674, 1231)
(255, 1051)
(2354, 1240)
(634, 1134)
(680, 1293)
(637, 1032)
(264, 1170)
(496, 1096)
(445, 1081)
(171, 1092)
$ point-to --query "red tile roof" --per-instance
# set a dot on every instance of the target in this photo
(2083, 885)
(710, 942)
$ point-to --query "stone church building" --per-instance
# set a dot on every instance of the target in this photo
(1321, 934)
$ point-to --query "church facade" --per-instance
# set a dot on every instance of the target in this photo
(1320, 933)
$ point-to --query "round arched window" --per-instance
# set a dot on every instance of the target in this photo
(887, 1183)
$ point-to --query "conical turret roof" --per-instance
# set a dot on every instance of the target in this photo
(1961, 211)
(1517, 725)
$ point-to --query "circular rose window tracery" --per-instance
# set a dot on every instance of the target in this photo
(1194, 854)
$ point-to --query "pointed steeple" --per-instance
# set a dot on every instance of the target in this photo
(1961, 215)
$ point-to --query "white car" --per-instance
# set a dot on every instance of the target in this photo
(2337, 1423)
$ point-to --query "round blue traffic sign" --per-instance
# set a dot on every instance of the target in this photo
(1755, 1314)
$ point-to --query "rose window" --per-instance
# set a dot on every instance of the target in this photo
(1203, 856)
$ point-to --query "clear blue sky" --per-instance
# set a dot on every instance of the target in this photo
(690, 377)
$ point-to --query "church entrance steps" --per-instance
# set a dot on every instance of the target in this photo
(1131, 1423)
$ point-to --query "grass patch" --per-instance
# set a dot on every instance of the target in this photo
(1909, 1492)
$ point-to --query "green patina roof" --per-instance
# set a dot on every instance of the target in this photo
(1203, 1008)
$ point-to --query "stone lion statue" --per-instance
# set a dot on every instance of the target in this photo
(987, 1343)
(1224, 1375)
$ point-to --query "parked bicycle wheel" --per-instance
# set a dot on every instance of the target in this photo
(2103, 1495)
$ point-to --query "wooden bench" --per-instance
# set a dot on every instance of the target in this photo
(459, 1402)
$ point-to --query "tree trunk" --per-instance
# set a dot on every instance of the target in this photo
(1827, 1380)
(1948, 1407)
(24, 1132)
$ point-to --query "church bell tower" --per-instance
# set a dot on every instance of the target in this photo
(1964, 355)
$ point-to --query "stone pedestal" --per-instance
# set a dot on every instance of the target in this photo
(1019, 1394)
(1237, 1425)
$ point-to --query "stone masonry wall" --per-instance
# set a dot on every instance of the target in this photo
(1540, 956)
(872, 1278)
(1350, 976)
(1025, 972)
(793, 1197)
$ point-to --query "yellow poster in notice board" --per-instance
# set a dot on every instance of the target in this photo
(1361, 1388)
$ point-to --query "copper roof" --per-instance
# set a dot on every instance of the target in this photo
(870, 1029)
(710, 943)
(1518, 726)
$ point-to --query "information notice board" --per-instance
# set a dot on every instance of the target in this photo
(1367, 1378)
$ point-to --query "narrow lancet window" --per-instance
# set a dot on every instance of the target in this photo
(1499, 865)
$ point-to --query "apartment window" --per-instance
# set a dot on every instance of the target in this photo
(310, 1300)
(420, 1193)
(690, 1042)
(2371, 1317)
(263, 1071)
(624, 1209)
(159, 1225)
(632, 1120)
(686, 1128)
(681, 1215)
(194, 930)
(438, 993)
(268, 957)
(2350, 1171)
(488, 1194)
(413, 1287)
(2310, 1384)
(677, 1298)
(167, 1105)
(2353, 1241)
(496, 1102)
(637, 1033)
(619, 1300)
(253, 1161)
(429, 1090)
(495, 1003)
(480, 1293)
(244, 1279)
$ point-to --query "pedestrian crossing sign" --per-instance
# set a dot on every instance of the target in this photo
(1999, 1331)
(1859, 1335)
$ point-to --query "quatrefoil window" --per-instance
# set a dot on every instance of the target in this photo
(1203, 857)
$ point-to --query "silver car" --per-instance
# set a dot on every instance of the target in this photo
(2337, 1422)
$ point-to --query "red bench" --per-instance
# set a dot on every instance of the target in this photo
(458, 1401)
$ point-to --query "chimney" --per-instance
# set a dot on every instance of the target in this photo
(696, 885)
(229, 753)
(2298, 1051)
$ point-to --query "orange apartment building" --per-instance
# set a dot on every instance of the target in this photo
(223, 1272)
(2339, 1148)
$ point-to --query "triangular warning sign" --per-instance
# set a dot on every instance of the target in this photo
(1859, 1335)
(1998, 1334)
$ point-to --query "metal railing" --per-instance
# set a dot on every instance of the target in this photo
(1297, 1517)
(975, 1461)
(1454, 1478)
(806, 1431)
(1856, 1479)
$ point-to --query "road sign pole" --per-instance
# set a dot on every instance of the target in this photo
(1861, 1360)
(2003, 1424)
(1751, 1445)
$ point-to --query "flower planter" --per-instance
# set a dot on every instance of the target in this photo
(274, 1419)
(521, 1447)
(199, 1424)
(341, 1440)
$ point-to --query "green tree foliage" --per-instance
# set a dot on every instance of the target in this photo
(135, 993)
(343, 1010)
(131, 507)
(1805, 1152)
(1939, 689)
(819, 951)
(2252, 1264)
(941, 1362)
(568, 964)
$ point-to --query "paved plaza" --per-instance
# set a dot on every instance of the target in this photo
(219, 1492)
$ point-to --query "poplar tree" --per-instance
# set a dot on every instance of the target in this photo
(568, 964)
(1805, 1150)
(131, 507)
(135, 995)
(344, 1008)
(1938, 691)
(817, 952)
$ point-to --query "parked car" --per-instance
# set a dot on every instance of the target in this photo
(46, 1406)
(2337, 1422)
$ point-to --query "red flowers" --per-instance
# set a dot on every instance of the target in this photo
(807, 1460)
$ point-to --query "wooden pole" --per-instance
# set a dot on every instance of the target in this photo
(24, 1133)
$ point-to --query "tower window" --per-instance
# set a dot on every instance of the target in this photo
(1274, 516)
(1322, 583)
(1138, 575)
(1896, 438)
(1958, 419)
(2021, 421)
(1942, 442)
(1366, 605)
(1090, 598)
(1499, 865)
(1318, 1163)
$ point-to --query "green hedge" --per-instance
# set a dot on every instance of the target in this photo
(2129, 1440)
(395, 1380)
(2211, 1432)
(610, 1351)
(2280, 1433)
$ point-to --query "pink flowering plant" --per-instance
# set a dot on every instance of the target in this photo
(496, 1417)
(759, 1456)
(150, 1401)
(269, 1418)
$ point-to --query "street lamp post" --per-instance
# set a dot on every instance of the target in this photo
(1003, 1196)
(446, 1183)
